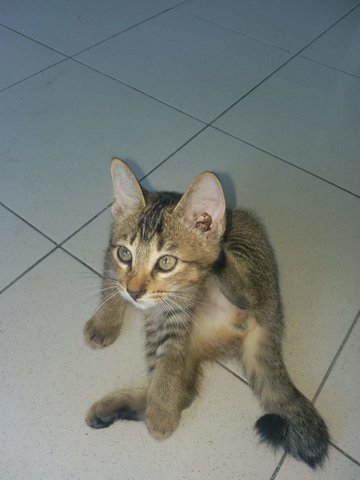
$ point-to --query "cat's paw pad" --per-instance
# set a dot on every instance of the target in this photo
(160, 424)
(99, 333)
(98, 417)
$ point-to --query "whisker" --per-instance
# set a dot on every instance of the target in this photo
(107, 301)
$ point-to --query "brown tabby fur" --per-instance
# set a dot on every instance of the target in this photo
(221, 299)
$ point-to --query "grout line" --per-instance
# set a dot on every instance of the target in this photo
(81, 261)
(334, 360)
(176, 151)
(138, 90)
(32, 39)
(330, 66)
(284, 64)
(229, 29)
(28, 223)
(287, 162)
(239, 377)
(33, 75)
(279, 465)
(123, 31)
(28, 270)
(85, 224)
(344, 453)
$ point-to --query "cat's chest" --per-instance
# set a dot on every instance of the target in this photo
(216, 321)
(214, 314)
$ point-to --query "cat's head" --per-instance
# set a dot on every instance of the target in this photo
(163, 245)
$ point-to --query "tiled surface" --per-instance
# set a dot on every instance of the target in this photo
(343, 388)
(340, 46)
(21, 57)
(59, 130)
(70, 26)
(20, 246)
(289, 24)
(183, 61)
(307, 114)
(338, 467)
(79, 120)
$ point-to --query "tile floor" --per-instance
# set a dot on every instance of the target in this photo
(266, 94)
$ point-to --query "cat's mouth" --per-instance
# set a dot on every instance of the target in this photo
(142, 302)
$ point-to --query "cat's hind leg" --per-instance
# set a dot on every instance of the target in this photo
(291, 421)
(127, 404)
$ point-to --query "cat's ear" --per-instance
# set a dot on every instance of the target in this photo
(127, 190)
(203, 205)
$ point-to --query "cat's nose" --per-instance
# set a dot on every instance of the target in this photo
(135, 294)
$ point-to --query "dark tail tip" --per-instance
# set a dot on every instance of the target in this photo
(272, 429)
(306, 441)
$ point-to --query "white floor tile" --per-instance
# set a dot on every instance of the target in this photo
(20, 246)
(307, 114)
(60, 130)
(73, 25)
(21, 57)
(349, 3)
(90, 243)
(337, 467)
(340, 397)
(340, 46)
(195, 66)
(51, 377)
(169, 3)
(289, 24)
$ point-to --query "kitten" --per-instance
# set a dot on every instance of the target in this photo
(207, 281)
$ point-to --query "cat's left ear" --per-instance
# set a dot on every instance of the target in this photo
(127, 191)
(203, 205)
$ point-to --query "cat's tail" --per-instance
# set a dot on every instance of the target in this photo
(127, 404)
(292, 422)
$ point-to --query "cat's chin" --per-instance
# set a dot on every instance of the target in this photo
(142, 305)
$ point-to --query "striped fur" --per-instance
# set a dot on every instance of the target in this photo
(220, 298)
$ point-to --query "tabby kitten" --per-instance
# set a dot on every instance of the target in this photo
(207, 281)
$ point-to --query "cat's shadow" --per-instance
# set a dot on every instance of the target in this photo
(225, 178)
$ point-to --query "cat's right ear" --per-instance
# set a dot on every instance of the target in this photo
(127, 190)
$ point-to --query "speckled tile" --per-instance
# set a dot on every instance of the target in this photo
(289, 24)
(336, 467)
(51, 377)
(91, 242)
(317, 288)
(188, 63)
(22, 57)
(339, 400)
(307, 114)
(73, 25)
(59, 132)
(340, 46)
(20, 246)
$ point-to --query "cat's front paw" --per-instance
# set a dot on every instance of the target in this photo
(100, 333)
(160, 423)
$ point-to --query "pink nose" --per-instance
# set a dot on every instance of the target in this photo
(135, 294)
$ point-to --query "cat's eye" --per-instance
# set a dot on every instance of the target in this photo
(166, 263)
(124, 254)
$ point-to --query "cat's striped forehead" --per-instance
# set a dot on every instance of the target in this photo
(152, 219)
(149, 234)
